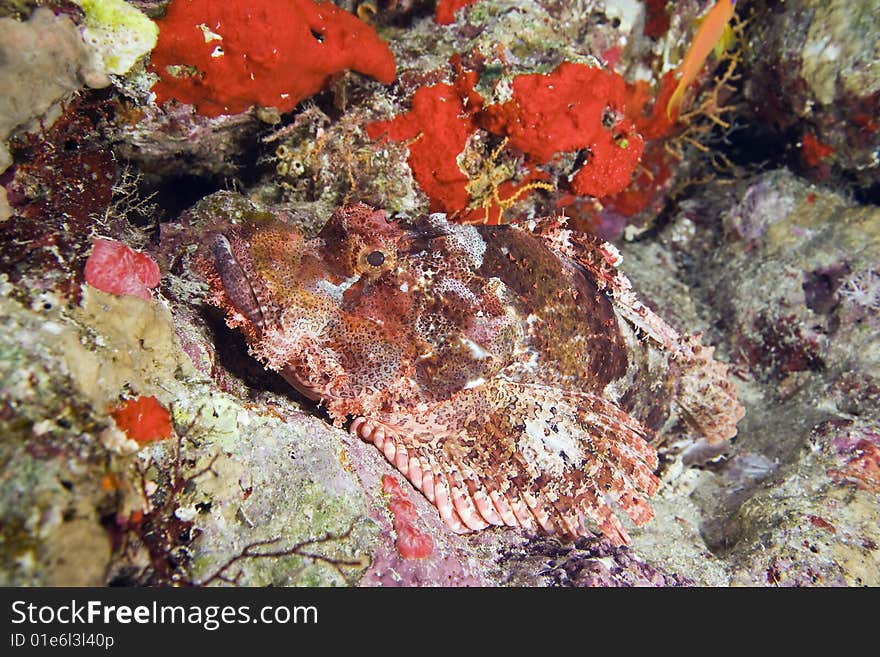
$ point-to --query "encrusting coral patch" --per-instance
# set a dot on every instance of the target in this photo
(224, 57)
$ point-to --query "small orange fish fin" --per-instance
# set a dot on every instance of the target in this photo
(674, 105)
(712, 29)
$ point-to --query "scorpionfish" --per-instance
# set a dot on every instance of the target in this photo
(510, 374)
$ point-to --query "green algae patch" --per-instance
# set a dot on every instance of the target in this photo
(284, 483)
(119, 33)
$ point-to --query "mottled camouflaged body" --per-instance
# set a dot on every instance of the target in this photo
(512, 376)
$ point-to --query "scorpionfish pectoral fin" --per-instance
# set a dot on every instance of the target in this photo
(524, 455)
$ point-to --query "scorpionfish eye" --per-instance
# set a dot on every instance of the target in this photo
(376, 258)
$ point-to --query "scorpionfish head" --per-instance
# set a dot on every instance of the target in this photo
(374, 312)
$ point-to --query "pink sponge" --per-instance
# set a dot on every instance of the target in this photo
(412, 543)
(113, 267)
